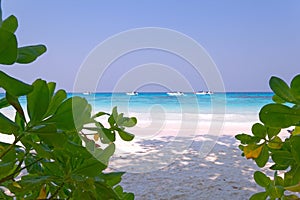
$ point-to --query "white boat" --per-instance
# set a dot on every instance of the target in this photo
(86, 93)
(201, 93)
(204, 92)
(132, 93)
(175, 93)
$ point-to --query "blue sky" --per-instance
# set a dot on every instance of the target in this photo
(248, 40)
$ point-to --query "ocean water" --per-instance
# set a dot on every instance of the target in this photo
(233, 107)
(235, 102)
(236, 106)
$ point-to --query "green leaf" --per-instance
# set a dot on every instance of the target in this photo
(295, 146)
(29, 54)
(295, 87)
(51, 87)
(113, 117)
(50, 135)
(275, 191)
(43, 150)
(261, 179)
(101, 155)
(282, 157)
(6, 168)
(10, 24)
(279, 167)
(8, 47)
(20, 121)
(128, 196)
(54, 168)
(34, 179)
(277, 115)
(111, 121)
(14, 101)
(275, 143)
(281, 89)
(291, 197)
(125, 135)
(106, 135)
(7, 126)
(99, 114)
(72, 114)
(129, 122)
(104, 156)
(272, 132)
(259, 196)
(114, 113)
(4, 103)
(294, 188)
(105, 192)
(112, 178)
(292, 177)
(296, 131)
(38, 101)
(34, 167)
(278, 180)
(123, 195)
(14, 86)
(259, 130)
(8, 161)
(90, 167)
(119, 190)
(263, 158)
(55, 102)
(244, 138)
(277, 99)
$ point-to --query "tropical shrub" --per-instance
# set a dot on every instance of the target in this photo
(53, 155)
(265, 144)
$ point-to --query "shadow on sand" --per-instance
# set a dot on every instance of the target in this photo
(181, 168)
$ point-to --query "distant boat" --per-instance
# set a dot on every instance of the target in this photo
(132, 93)
(201, 93)
(204, 92)
(86, 93)
(175, 93)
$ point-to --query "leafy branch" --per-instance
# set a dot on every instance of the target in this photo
(265, 142)
(56, 150)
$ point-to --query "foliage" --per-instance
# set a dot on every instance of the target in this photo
(264, 143)
(53, 154)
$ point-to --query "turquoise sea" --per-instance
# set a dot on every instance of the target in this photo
(234, 102)
(237, 106)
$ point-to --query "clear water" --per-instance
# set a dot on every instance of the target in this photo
(235, 103)
(236, 106)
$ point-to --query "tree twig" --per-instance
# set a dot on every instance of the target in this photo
(57, 190)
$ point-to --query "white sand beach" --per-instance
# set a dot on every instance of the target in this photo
(221, 174)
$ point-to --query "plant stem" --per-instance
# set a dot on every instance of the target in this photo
(11, 146)
(30, 165)
(56, 191)
(18, 170)
(11, 176)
